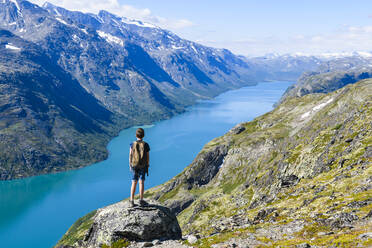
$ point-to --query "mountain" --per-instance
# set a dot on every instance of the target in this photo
(132, 72)
(96, 74)
(48, 122)
(291, 66)
(126, 64)
(298, 176)
(332, 75)
(286, 67)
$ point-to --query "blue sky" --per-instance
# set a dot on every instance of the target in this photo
(253, 27)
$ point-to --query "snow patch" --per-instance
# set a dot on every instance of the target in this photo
(61, 21)
(57, 13)
(307, 114)
(116, 22)
(176, 47)
(13, 23)
(84, 30)
(11, 47)
(193, 48)
(110, 38)
(138, 23)
(99, 19)
(322, 105)
(316, 108)
(170, 37)
(22, 30)
(75, 38)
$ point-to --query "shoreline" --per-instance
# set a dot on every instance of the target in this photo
(92, 187)
(146, 125)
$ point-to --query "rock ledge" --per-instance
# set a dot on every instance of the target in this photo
(120, 221)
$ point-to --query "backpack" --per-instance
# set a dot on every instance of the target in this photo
(138, 158)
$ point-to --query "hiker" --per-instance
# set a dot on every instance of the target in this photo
(139, 158)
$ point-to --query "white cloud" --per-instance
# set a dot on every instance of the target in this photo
(113, 6)
(344, 39)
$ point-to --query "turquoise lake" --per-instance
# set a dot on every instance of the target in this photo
(35, 212)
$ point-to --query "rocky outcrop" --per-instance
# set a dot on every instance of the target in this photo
(121, 222)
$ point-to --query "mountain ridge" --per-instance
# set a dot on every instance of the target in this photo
(112, 62)
(137, 72)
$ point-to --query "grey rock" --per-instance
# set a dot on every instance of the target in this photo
(119, 221)
(341, 220)
(206, 166)
(365, 236)
(156, 242)
(147, 244)
(303, 245)
(237, 129)
(359, 204)
(348, 140)
(176, 206)
(192, 239)
(289, 181)
(263, 213)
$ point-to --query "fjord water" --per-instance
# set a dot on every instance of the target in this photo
(37, 211)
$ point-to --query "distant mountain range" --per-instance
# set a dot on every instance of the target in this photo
(331, 75)
(70, 81)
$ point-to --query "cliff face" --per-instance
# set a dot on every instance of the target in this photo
(298, 175)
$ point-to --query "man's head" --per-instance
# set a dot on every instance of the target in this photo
(140, 133)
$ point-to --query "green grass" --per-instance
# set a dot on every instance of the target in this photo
(117, 244)
(78, 230)
(171, 194)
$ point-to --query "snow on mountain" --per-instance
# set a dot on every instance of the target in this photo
(328, 55)
(110, 38)
(10, 46)
(138, 23)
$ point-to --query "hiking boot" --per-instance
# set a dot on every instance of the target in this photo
(143, 203)
(131, 204)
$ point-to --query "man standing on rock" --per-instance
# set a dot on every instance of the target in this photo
(139, 158)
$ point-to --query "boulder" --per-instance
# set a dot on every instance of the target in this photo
(237, 129)
(192, 239)
(120, 221)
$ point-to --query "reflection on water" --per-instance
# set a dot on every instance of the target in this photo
(35, 212)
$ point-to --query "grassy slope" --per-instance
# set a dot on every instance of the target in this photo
(327, 155)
